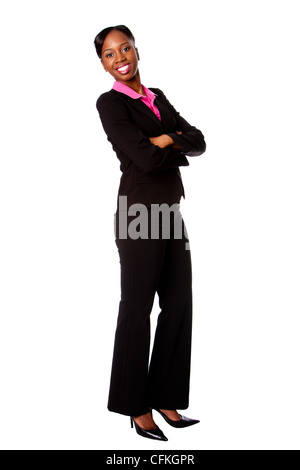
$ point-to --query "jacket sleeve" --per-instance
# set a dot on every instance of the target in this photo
(124, 134)
(191, 141)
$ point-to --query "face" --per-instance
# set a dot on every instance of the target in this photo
(119, 56)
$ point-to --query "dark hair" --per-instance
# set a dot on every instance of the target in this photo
(99, 39)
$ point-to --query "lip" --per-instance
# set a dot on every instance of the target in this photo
(125, 71)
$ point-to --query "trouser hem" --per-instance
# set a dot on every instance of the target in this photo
(139, 412)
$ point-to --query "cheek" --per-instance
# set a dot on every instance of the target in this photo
(109, 68)
(133, 57)
(134, 60)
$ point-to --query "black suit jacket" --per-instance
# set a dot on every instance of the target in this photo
(151, 174)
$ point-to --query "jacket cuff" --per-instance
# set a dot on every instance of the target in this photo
(177, 140)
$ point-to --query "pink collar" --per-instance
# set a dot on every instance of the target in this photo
(118, 86)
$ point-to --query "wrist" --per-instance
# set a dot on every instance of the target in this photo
(169, 140)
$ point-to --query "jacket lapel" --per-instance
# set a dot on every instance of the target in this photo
(143, 108)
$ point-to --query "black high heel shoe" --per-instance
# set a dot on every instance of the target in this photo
(150, 433)
(183, 423)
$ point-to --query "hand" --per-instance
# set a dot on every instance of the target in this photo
(161, 141)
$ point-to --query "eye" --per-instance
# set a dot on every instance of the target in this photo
(109, 54)
(126, 48)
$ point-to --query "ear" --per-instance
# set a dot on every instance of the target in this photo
(137, 53)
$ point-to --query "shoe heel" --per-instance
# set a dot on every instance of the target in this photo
(155, 433)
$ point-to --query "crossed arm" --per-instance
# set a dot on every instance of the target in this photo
(164, 141)
(187, 139)
(148, 154)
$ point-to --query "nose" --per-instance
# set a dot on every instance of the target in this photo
(119, 56)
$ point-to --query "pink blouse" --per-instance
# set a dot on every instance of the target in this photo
(148, 99)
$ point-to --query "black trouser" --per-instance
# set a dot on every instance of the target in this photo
(149, 266)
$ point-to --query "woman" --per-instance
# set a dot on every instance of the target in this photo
(151, 140)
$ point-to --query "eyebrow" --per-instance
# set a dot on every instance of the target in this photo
(110, 48)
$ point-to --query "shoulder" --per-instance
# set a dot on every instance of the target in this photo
(158, 91)
(107, 99)
(112, 105)
(160, 94)
(111, 100)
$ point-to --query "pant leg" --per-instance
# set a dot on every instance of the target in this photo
(169, 373)
(141, 262)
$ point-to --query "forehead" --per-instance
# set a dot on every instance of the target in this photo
(114, 39)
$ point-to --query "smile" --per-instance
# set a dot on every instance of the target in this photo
(124, 69)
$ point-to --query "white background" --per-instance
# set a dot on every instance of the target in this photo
(230, 68)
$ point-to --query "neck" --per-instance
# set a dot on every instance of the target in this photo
(135, 83)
